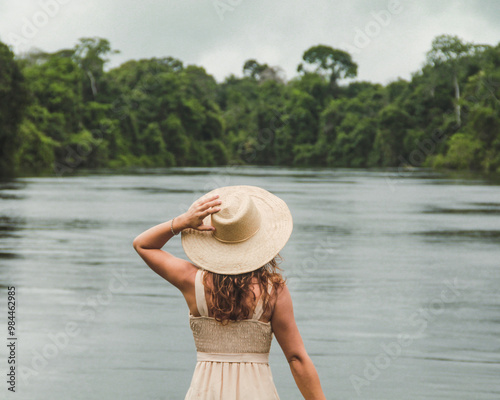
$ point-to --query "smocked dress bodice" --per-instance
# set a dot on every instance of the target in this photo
(249, 336)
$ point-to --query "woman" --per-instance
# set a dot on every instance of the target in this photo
(236, 298)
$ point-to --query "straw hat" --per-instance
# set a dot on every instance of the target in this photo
(252, 226)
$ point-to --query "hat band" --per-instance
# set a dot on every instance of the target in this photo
(236, 241)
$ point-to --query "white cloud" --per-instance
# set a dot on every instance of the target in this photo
(276, 33)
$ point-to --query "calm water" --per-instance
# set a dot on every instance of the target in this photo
(395, 280)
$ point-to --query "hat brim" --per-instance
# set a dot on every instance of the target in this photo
(206, 252)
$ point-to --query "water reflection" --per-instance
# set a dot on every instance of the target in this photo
(440, 210)
(7, 255)
(9, 226)
(460, 235)
(158, 190)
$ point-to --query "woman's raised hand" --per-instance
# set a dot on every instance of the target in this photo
(199, 211)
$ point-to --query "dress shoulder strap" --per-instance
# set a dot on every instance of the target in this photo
(201, 301)
(259, 309)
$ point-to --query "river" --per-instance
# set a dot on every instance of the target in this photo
(395, 280)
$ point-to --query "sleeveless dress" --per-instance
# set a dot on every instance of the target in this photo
(233, 359)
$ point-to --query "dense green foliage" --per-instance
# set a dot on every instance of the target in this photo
(13, 100)
(63, 111)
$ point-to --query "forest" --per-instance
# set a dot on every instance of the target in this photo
(64, 111)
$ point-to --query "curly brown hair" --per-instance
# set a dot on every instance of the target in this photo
(229, 294)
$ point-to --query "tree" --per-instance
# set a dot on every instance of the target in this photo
(55, 88)
(253, 69)
(393, 125)
(90, 54)
(464, 152)
(334, 63)
(448, 52)
(13, 103)
(263, 72)
(314, 85)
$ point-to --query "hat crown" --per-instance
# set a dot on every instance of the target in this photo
(238, 220)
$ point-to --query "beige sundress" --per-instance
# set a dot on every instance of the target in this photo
(233, 359)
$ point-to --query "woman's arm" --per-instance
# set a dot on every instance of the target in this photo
(288, 336)
(149, 243)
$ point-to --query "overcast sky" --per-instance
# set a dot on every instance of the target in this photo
(387, 38)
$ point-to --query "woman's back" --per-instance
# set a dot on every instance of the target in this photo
(236, 352)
